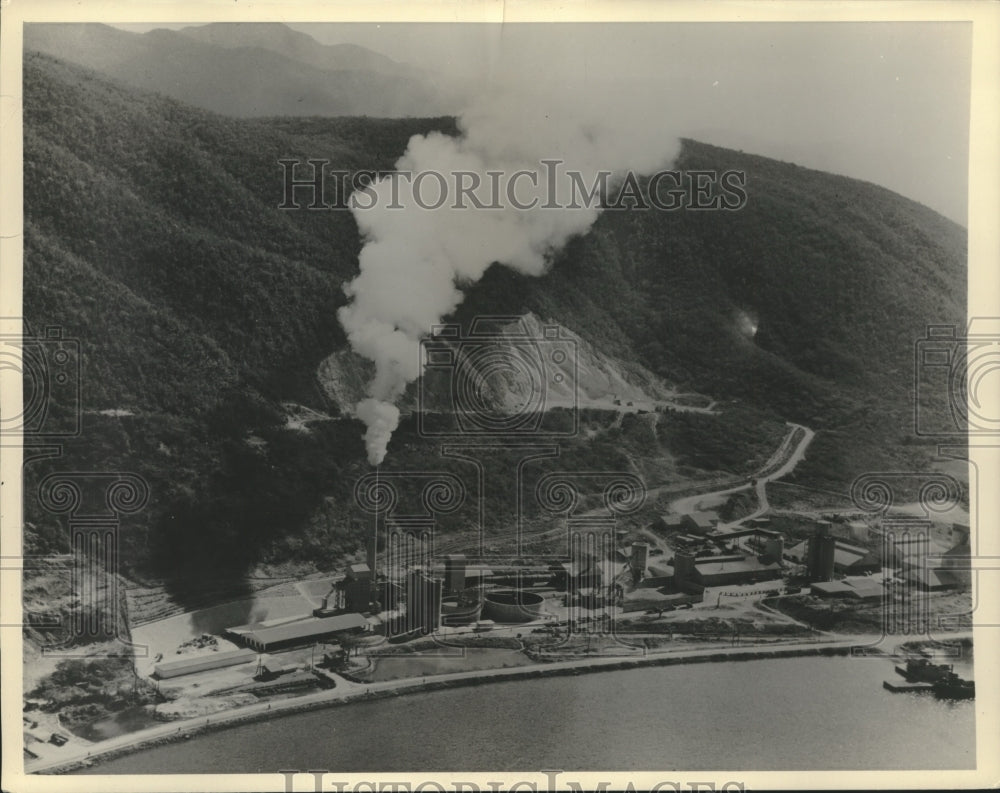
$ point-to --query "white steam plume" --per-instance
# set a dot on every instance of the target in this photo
(415, 259)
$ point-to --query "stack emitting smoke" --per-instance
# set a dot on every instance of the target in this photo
(415, 261)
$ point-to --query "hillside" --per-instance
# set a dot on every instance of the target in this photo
(152, 236)
(245, 70)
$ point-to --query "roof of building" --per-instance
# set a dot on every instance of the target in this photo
(864, 587)
(308, 627)
(360, 567)
(703, 518)
(721, 565)
(195, 661)
(722, 557)
(845, 558)
(931, 577)
(831, 588)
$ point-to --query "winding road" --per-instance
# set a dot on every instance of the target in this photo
(788, 455)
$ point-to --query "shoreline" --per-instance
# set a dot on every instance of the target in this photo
(347, 692)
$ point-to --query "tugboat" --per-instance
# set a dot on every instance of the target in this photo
(954, 687)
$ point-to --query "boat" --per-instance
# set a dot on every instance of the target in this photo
(920, 670)
(954, 687)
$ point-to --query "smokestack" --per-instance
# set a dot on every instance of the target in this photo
(371, 548)
(415, 258)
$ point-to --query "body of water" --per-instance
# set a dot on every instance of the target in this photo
(785, 714)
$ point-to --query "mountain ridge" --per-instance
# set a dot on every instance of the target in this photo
(202, 309)
(257, 79)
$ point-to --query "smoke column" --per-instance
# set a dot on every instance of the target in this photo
(415, 260)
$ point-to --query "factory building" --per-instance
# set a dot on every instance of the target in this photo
(201, 663)
(516, 576)
(691, 572)
(658, 575)
(423, 602)
(734, 569)
(699, 522)
(297, 633)
(824, 555)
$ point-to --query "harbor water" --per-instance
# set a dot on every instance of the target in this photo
(821, 713)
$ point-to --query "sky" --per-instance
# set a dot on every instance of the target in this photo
(887, 102)
(883, 102)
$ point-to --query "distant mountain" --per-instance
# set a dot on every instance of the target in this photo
(152, 235)
(246, 70)
(301, 47)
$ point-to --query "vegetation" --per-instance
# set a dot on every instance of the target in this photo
(152, 236)
(83, 690)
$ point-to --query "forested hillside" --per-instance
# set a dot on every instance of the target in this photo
(152, 235)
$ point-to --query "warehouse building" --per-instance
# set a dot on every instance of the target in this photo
(300, 632)
(202, 663)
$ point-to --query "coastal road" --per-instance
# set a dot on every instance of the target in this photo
(346, 690)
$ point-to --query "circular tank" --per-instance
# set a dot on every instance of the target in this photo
(512, 605)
